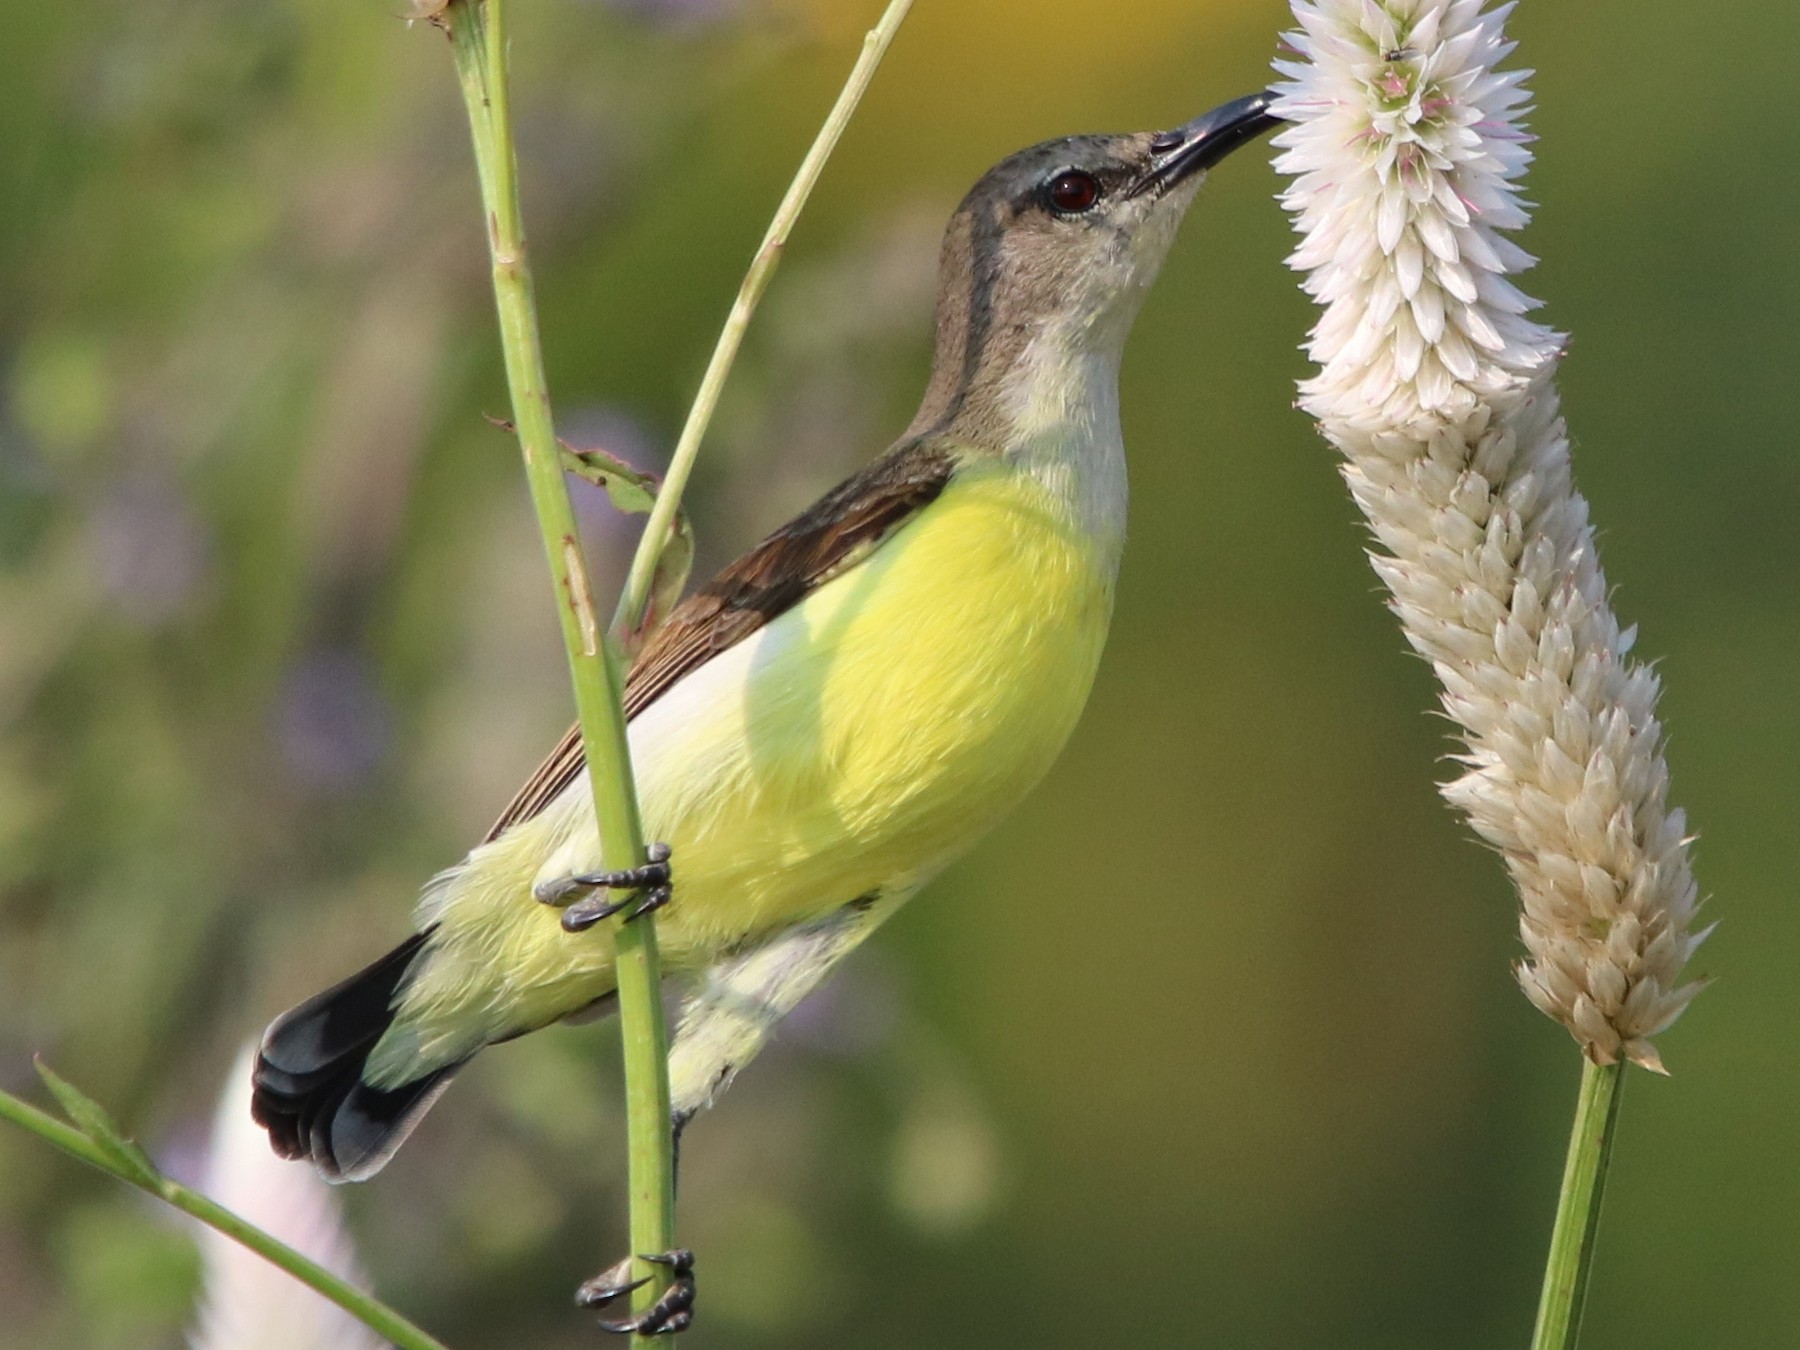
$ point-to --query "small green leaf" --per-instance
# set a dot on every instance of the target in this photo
(633, 491)
(92, 1119)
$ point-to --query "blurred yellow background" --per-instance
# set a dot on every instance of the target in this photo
(1215, 1044)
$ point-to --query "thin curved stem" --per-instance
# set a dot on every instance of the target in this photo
(364, 1307)
(750, 292)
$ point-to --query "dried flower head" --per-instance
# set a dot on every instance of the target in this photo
(1406, 149)
(246, 1303)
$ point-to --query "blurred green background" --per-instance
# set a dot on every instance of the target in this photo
(276, 643)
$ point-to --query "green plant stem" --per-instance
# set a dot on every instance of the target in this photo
(1578, 1208)
(372, 1313)
(762, 267)
(479, 40)
(476, 28)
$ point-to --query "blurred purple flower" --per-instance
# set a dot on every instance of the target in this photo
(624, 437)
(333, 724)
(852, 1016)
(19, 464)
(149, 548)
(677, 13)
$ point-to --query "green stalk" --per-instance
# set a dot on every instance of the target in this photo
(132, 1167)
(1578, 1208)
(762, 267)
(478, 38)
(594, 654)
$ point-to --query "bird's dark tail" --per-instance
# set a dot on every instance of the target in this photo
(309, 1090)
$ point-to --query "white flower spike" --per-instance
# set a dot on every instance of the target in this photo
(246, 1303)
(1405, 152)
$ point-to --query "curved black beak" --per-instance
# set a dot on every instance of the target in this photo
(1203, 142)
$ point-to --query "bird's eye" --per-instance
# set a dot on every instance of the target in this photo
(1072, 192)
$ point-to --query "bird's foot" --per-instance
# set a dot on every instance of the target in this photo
(671, 1313)
(583, 901)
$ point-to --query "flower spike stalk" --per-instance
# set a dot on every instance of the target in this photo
(1406, 151)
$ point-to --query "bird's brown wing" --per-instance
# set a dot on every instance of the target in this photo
(838, 531)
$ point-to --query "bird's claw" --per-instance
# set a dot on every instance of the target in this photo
(612, 1283)
(672, 1312)
(582, 897)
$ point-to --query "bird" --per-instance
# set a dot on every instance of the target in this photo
(836, 716)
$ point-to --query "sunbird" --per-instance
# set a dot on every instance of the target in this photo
(835, 717)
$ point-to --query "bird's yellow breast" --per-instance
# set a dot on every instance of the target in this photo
(875, 731)
(857, 743)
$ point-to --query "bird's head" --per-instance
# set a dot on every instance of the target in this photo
(1059, 242)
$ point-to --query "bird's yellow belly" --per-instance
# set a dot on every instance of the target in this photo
(858, 743)
(873, 733)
